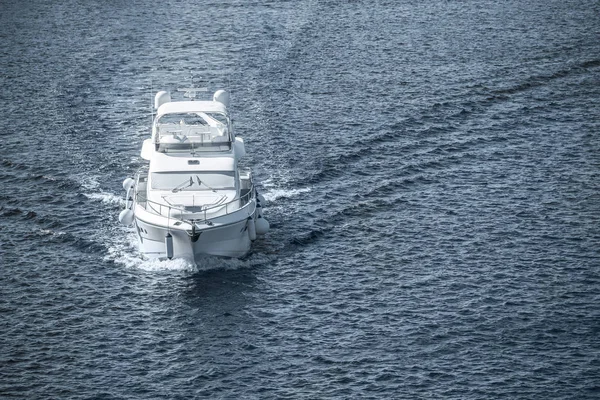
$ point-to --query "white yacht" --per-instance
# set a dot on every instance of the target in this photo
(192, 199)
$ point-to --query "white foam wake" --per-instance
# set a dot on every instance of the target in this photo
(106, 198)
(50, 232)
(92, 190)
(87, 181)
(274, 194)
(125, 252)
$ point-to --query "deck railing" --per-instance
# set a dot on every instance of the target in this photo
(182, 213)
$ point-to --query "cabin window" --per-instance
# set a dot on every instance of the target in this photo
(190, 119)
(180, 131)
(187, 181)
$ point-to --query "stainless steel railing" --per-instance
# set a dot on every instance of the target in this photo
(182, 213)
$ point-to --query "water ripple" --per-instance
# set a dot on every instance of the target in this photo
(431, 177)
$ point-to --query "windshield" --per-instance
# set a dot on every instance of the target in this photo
(196, 129)
(200, 118)
(185, 181)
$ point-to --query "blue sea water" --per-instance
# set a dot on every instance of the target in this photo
(432, 175)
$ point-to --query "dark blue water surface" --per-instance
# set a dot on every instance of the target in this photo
(432, 174)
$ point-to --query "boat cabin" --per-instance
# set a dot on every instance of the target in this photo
(192, 126)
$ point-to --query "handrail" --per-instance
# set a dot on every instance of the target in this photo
(142, 198)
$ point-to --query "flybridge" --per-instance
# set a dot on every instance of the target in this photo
(191, 127)
(198, 131)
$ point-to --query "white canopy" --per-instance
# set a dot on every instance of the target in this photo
(177, 107)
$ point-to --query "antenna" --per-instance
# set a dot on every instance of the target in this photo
(151, 102)
(192, 92)
(229, 90)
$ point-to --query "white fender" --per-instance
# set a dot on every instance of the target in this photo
(251, 229)
(128, 183)
(261, 198)
(169, 245)
(126, 217)
(262, 225)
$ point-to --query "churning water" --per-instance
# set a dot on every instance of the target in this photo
(432, 174)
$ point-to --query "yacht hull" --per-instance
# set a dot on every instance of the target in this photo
(228, 240)
(192, 199)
